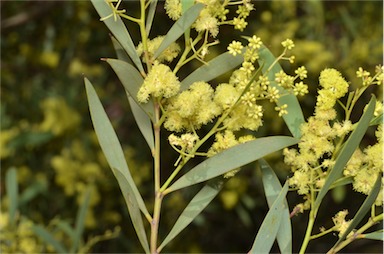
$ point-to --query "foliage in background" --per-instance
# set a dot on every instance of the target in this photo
(43, 59)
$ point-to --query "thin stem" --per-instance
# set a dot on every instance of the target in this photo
(307, 238)
(155, 222)
(158, 195)
(312, 218)
(323, 233)
(144, 36)
(156, 128)
(274, 62)
(188, 48)
(130, 18)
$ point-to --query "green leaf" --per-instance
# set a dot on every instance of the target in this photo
(143, 122)
(232, 158)
(120, 52)
(342, 181)
(150, 16)
(186, 4)
(271, 224)
(295, 116)
(12, 188)
(272, 188)
(195, 207)
(30, 139)
(32, 191)
(377, 235)
(133, 208)
(65, 227)
(348, 149)
(377, 120)
(214, 68)
(109, 142)
(132, 81)
(364, 208)
(141, 118)
(180, 26)
(118, 30)
(80, 221)
(49, 239)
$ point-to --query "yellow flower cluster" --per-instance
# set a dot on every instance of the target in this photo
(225, 140)
(341, 224)
(321, 136)
(18, 238)
(58, 116)
(5, 137)
(288, 82)
(160, 82)
(168, 54)
(201, 104)
(186, 141)
(334, 87)
(192, 108)
(74, 173)
(366, 165)
(213, 15)
(173, 9)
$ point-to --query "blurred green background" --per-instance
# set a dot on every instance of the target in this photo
(47, 136)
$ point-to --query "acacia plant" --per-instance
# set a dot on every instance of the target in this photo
(149, 72)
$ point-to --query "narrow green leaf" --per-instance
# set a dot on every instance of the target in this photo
(131, 80)
(348, 149)
(364, 208)
(120, 52)
(180, 26)
(295, 116)
(232, 158)
(80, 221)
(214, 68)
(11, 186)
(271, 224)
(49, 238)
(109, 142)
(143, 122)
(150, 16)
(141, 118)
(186, 4)
(377, 235)
(32, 191)
(118, 30)
(65, 227)
(195, 207)
(341, 182)
(133, 208)
(377, 120)
(272, 188)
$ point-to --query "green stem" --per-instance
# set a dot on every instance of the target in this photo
(158, 195)
(307, 238)
(130, 18)
(156, 128)
(322, 233)
(188, 48)
(312, 218)
(155, 222)
(144, 36)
